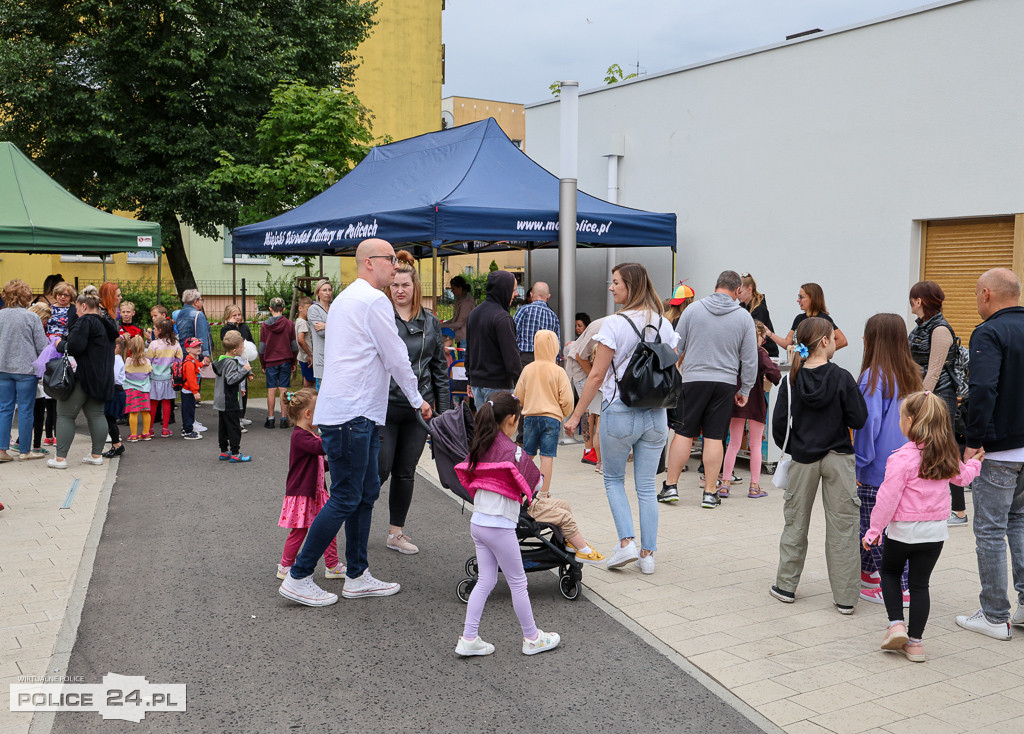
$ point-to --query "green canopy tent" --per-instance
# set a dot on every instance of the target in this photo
(37, 215)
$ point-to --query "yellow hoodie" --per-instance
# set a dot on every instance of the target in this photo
(543, 386)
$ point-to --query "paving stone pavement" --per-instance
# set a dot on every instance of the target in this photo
(803, 666)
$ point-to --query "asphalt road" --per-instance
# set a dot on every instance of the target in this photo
(184, 591)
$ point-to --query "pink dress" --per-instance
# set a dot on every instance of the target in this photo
(306, 491)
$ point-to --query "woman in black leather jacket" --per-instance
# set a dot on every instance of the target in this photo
(403, 435)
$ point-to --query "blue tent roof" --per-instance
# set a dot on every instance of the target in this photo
(448, 188)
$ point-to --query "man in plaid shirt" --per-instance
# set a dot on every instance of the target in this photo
(532, 317)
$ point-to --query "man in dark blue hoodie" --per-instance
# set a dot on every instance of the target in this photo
(492, 354)
(995, 424)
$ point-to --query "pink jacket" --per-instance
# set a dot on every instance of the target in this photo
(905, 496)
(503, 469)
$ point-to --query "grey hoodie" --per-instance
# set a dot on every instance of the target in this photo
(717, 337)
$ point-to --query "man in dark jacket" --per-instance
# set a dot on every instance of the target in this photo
(492, 355)
(995, 427)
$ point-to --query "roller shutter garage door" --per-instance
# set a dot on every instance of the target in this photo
(956, 252)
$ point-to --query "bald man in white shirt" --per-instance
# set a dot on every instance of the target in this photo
(362, 353)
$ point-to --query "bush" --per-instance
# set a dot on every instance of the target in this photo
(143, 294)
(284, 288)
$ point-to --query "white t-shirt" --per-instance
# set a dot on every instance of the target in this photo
(619, 336)
(493, 510)
(918, 531)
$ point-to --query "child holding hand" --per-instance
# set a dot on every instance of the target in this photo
(912, 506)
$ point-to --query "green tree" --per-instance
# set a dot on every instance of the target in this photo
(129, 105)
(308, 140)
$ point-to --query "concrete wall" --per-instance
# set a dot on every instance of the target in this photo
(815, 160)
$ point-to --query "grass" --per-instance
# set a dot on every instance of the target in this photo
(258, 387)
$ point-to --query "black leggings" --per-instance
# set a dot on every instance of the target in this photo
(921, 558)
(44, 416)
(401, 444)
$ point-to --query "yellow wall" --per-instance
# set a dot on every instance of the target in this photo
(34, 269)
(399, 78)
(510, 116)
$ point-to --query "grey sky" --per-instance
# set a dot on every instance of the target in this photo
(512, 51)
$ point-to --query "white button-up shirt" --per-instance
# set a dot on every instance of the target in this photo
(362, 353)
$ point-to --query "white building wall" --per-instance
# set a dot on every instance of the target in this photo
(814, 160)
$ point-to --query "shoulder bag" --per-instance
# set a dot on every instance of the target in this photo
(781, 477)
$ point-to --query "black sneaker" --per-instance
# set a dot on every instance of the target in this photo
(787, 597)
(191, 436)
(710, 501)
(668, 493)
(114, 451)
(284, 423)
(269, 422)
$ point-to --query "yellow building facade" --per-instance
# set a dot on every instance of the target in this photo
(399, 79)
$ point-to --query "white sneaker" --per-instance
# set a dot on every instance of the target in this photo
(622, 556)
(476, 646)
(402, 544)
(305, 591)
(1018, 616)
(198, 427)
(645, 564)
(367, 585)
(545, 641)
(338, 572)
(245, 422)
(87, 459)
(282, 571)
(977, 623)
(55, 464)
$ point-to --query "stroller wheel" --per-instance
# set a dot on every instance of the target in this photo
(465, 588)
(471, 567)
(569, 587)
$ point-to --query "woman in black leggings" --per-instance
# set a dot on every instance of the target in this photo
(403, 435)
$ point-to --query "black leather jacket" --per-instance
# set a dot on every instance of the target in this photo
(422, 337)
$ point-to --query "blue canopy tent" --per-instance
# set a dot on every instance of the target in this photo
(449, 190)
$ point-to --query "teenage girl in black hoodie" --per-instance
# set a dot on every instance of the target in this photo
(826, 404)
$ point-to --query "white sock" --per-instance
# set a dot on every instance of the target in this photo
(585, 550)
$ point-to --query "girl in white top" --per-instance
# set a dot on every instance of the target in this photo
(642, 431)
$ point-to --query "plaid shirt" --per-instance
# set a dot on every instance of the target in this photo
(530, 319)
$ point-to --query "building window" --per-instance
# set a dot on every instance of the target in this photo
(85, 259)
(240, 259)
(142, 257)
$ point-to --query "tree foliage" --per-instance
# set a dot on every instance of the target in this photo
(614, 75)
(129, 104)
(308, 140)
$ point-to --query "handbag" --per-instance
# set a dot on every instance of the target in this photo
(651, 379)
(59, 378)
(781, 477)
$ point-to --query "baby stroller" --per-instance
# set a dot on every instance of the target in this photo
(541, 544)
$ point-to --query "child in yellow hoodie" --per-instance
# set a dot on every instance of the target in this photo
(545, 393)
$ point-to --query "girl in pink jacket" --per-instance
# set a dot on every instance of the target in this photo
(497, 476)
(912, 507)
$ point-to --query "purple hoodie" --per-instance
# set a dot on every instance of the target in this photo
(880, 436)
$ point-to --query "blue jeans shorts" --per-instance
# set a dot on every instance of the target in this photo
(279, 375)
(540, 431)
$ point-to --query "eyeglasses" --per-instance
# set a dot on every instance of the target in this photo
(393, 259)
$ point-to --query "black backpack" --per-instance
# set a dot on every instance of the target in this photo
(651, 379)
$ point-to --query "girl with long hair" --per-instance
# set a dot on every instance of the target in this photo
(811, 300)
(753, 301)
(887, 375)
(822, 403)
(912, 508)
(623, 429)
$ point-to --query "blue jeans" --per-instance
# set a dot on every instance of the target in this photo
(351, 450)
(20, 390)
(642, 431)
(998, 520)
(482, 394)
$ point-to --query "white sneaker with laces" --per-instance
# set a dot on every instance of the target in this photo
(645, 564)
(545, 641)
(88, 459)
(305, 591)
(476, 646)
(55, 464)
(245, 422)
(623, 556)
(977, 623)
(198, 427)
(367, 585)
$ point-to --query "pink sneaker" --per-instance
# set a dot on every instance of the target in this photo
(875, 596)
(870, 580)
(895, 637)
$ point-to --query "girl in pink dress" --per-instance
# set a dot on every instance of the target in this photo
(305, 490)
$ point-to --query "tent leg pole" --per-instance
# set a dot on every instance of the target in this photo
(104, 259)
(437, 299)
(672, 283)
(234, 279)
(159, 265)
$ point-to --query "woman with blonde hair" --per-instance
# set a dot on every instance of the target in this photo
(317, 318)
(623, 429)
(402, 438)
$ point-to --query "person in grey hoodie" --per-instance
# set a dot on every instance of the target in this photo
(717, 345)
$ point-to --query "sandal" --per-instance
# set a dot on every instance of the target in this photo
(755, 492)
(723, 490)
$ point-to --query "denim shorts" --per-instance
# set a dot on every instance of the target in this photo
(540, 431)
(279, 375)
(307, 371)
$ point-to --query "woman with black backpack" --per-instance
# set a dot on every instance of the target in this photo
(626, 429)
(934, 346)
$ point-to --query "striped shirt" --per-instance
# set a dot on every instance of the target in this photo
(136, 376)
(162, 354)
(530, 319)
